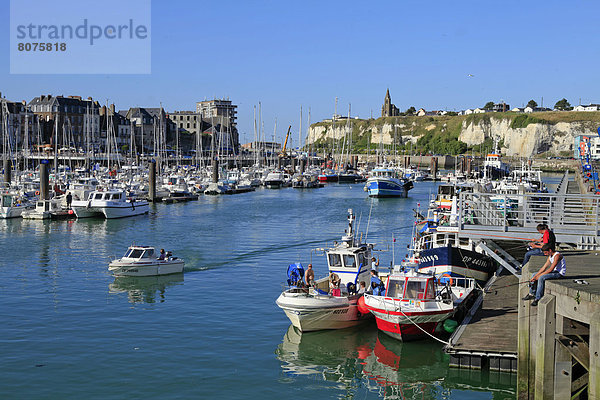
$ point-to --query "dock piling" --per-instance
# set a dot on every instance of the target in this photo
(215, 170)
(152, 181)
(544, 368)
(7, 171)
(44, 179)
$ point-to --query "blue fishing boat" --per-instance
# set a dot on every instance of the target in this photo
(385, 182)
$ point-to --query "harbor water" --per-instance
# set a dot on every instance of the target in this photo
(70, 330)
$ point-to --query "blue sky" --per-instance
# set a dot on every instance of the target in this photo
(289, 54)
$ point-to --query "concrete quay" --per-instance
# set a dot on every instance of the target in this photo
(559, 340)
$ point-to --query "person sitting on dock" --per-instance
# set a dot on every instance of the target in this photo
(309, 277)
(536, 245)
(555, 267)
(162, 254)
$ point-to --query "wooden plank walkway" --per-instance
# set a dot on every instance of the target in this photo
(493, 328)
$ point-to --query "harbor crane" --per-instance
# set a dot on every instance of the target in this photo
(283, 152)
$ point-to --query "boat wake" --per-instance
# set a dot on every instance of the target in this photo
(244, 257)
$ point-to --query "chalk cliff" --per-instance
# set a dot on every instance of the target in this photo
(520, 134)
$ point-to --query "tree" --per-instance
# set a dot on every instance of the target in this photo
(411, 111)
(563, 105)
(489, 105)
(532, 104)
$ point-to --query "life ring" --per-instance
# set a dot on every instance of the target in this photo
(37, 192)
(445, 274)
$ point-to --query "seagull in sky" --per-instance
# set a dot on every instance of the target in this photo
(470, 75)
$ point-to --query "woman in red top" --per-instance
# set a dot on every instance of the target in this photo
(536, 245)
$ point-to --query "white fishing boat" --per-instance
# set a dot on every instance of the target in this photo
(142, 261)
(493, 166)
(315, 308)
(111, 203)
(414, 303)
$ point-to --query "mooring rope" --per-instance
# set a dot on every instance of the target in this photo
(398, 309)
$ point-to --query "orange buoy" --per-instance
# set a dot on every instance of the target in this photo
(361, 306)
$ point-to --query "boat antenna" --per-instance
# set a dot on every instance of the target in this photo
(369, 220)
(393, 251)
(358, 225)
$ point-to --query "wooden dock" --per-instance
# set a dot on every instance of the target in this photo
(488, 339)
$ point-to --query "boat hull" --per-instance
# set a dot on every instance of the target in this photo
(145, 269)
(86, 212)
(36, 215)
(122, 211)
(327, 178)
(11, 212)
(407, 320)
(456, 262)
(313, 313)
(275, 184)
(386, 188)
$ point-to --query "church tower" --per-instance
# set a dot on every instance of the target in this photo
(388, 109)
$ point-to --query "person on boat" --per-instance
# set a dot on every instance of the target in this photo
(162, 256)
(536, 245)
(555, 267)
(362, 287)
(69, 199)
(376, 284)
(334, 284)
(374, 264)
(309, 277)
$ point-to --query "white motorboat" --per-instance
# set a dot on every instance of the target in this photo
(142, 261)
(11, 205)
(47, 209)
(276, 179)
(314, 308)
(414, 303)
(111, 203)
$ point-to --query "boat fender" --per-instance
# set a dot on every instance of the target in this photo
(445, 275)
(362, 306)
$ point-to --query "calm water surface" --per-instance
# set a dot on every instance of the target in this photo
(70, 330)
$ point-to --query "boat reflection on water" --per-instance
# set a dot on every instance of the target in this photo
(381, 364)
(406, 369)
(329, 353)
(145, 289)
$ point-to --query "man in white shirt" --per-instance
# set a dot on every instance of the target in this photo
(555, 267)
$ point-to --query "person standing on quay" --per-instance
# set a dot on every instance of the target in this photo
(69, 199)
(554, 268)
(536, 245)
